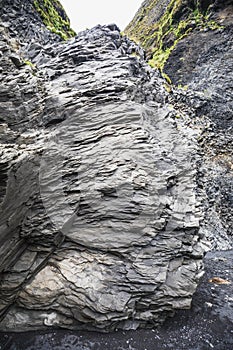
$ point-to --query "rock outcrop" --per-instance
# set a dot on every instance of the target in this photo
(100, 195)
(35, 21)
(191, 43)
(208, 325)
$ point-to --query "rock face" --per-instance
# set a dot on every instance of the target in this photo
(191, 43)
(35, 21)
(208, 325)
(100, 204)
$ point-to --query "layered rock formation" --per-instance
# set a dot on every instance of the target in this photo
(35, 21)
(100, 204)
(191, 42)
(208, 325)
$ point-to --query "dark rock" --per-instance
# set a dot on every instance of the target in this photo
(16, 60)
(113, 27)
(99, 224)
(199, 65)
(208, 325)
(101, 202)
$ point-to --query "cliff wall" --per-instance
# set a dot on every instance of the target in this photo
(105, 216)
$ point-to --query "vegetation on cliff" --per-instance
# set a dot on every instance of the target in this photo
(159, 25)
(54, 17)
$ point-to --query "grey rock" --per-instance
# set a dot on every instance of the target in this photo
(208, 325)
(200, 67)
(100, 213)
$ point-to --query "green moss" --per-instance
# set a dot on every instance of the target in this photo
(29, 63)
(166, 77)
(185, 87)
(159, 39)
(167, 87)
(54, 17)
(177, 31)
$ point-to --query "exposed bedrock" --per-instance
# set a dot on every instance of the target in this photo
(113, 183)
(100, 210)
(190, 41)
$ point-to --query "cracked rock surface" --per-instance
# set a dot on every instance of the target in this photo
(199, 64)
(100, 208)
(208, 325)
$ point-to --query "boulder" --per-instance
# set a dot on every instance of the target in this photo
(100, 212)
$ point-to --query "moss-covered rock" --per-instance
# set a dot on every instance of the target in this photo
(160, 24)
(54, 17)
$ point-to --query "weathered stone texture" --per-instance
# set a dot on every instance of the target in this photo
(111, 180)
(100, 215)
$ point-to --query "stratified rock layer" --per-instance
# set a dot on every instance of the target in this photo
(35, 21)
(208, 325)
(191, 41)
(100, 216)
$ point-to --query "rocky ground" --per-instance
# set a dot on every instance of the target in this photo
(208, 325)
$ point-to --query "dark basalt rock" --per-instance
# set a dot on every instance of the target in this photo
(100, 200)
(40, 21)
(199, 65)
(208, 325)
